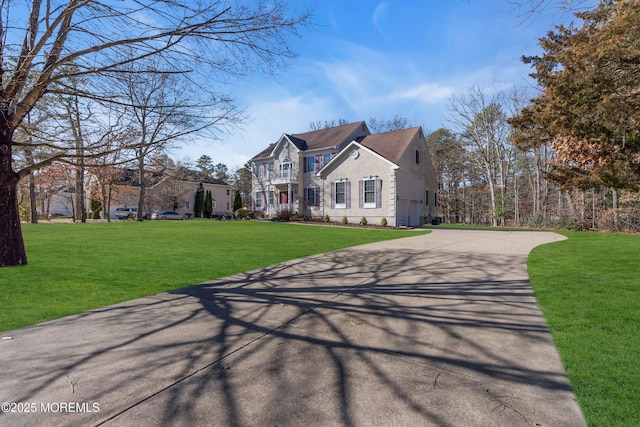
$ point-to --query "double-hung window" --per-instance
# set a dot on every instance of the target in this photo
(311, 196)
(310, 164)
(371, 192)
(341, 194)
(326, 158)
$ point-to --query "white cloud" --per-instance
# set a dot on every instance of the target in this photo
(345, 78)
(268, 121)
(430, 93)
(378, 16)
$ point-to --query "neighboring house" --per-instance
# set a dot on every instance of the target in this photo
(175, 192)
(345, 171)
(58, 202)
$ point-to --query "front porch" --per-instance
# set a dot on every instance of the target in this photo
(282, 198)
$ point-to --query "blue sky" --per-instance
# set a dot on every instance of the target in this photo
(372, 58)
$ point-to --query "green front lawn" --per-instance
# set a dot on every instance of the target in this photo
(588, 288)
(78, 267)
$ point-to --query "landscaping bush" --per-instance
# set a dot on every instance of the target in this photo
(285, 215)
(326, 218)
(242, 213)
(564, 223)
(345, 220)
(383, 222)
(363, 221)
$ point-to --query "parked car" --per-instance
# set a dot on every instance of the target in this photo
(123, 213)
(168, 215)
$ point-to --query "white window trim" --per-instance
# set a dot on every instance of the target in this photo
(340, 205)
(370, 205)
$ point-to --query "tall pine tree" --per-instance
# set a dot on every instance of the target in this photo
(589, 107)
(198, 206)
(237, 201)
(208, 205)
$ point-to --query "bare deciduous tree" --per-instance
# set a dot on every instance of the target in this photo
(45, 44)
(318, 125)
(529, 9)
(381, 125)
(480, 119)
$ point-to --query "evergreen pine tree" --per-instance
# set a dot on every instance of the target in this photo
(237, 201)
(198, 206)
(208, 205)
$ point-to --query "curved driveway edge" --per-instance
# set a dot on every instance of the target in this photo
(439, 329)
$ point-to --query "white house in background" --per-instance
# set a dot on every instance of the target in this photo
(346, 171)
(58, 201)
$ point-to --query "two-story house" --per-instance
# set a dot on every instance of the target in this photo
(345, 171)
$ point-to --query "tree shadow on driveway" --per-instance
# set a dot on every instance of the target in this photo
(353, 337)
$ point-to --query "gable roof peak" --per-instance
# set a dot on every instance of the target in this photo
(391, 145)
(333, 137)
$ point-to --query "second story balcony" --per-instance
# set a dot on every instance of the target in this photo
(285, 176)
(282, 177)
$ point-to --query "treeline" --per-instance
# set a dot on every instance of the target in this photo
(569, 157)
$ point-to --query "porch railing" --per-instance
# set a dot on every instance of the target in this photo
(284, 176)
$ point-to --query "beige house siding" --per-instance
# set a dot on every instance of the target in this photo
(312, 206)
(354, 170)
(162, 196)
(276, 180)
(415, 179)
(397, 164)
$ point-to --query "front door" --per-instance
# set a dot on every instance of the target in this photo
(284, 198)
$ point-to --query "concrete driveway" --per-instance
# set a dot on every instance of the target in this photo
(440, 329)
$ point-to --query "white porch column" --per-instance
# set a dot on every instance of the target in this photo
(289, 196)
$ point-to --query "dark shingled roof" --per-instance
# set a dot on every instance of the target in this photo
(184, 174)
(264, 153)
(317, 139)
(330, 137)
(130, 177)
(390, 145)
(300, 143)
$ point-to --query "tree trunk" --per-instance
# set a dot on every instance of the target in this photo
(516, 203)
(80, 208)
(616, 215)
(12, 250)
(76, 125)
(143, 188)
(32, 188)
(105, 211)
(33, 206)
(492, 192)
